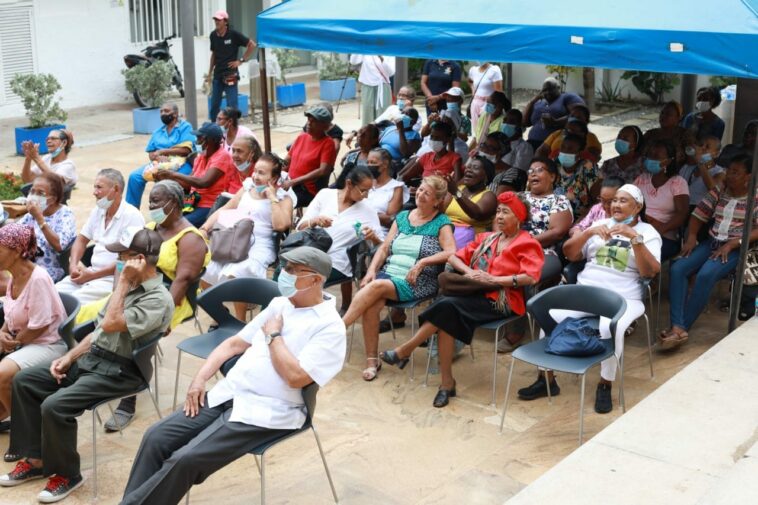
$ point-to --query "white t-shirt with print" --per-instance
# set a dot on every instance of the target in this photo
(612, 264)
(65, 168)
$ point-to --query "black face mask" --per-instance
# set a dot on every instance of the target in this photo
(375, 172)
(167, 118)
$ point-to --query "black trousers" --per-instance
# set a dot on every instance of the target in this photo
(43, 425)
(179, 452)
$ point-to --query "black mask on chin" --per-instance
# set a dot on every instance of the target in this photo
(167, 118)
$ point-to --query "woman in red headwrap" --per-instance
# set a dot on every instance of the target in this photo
(502, 262)
(33, 310)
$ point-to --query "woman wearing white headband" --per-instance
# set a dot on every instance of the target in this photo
(619, 251)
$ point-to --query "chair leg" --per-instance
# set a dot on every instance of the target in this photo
(154, 398)
(429, 357)
(94, 454)
(507, 392)
(176, 381)
(326, 467)
(581, 410)
(186, 501)
(350, 345)
(263, 479)
(113, 415)
(549, 396)
(159, 353)
(622, 400)
(658, 309)
(413, 332)
(257, 464)
(494, 369)
(155, 378)
(649, 345)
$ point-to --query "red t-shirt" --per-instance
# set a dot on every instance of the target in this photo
(221, 160)
(522, 256)
(235, 178)
(443, 166)
(307, 154)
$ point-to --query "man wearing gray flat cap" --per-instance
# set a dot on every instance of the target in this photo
(298, 339)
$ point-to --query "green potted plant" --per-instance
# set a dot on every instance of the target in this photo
(151, 84)
(288, 95)
(37, 93)
(336, 80)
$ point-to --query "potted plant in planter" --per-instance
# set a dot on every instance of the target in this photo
(152, 84)
(333, 74)
(288, 95)
(37, 93)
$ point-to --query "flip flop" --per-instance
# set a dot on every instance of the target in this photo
(370, 373)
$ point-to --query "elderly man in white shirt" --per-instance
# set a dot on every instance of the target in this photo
(298, 339)
(374, 77)
(106, 223)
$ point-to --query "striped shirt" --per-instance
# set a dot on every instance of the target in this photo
(727, 212)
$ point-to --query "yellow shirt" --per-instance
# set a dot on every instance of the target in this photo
(459, 217)
(555, 139)
(495, 125)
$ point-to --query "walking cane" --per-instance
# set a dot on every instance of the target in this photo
(344, 83)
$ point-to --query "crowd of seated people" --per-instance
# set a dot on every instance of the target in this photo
(502, 200)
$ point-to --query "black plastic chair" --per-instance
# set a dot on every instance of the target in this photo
(66, 328)
(599, 301)
(242, 289)
(64, 257)
(143, 356)
(309, 397)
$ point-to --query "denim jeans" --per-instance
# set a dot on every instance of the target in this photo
(136, 183)
(217, 90)
(686, 309)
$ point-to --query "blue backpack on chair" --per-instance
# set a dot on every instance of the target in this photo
(575, 337)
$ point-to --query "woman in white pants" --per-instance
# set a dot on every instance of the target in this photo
(620, 251)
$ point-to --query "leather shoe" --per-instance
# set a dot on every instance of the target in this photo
(391, 358)
(603, 401)
(539, 389)
(384, 325)
(443, 396)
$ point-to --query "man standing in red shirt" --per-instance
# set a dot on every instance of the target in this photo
(311, 157)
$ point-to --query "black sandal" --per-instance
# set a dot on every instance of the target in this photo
(11, 458)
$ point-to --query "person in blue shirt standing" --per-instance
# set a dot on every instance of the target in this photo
(223, 74)
(438, 76)
(548, 111)
(174, 138)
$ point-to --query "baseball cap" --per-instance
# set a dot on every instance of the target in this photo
(320, 113)
(221, 14)
(454, 91)
(209, 130)
(139, 240)
(311, 257)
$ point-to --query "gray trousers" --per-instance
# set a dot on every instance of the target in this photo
(370, 108)
(179, 452)
(43, 425)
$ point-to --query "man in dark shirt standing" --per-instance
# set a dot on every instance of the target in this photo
(223, 74)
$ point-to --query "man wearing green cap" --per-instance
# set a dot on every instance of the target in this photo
(298, 339)
(311, 156)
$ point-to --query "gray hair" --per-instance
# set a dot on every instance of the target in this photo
(114, 176)
(383, 154)
(173, 189)
(173, 106)
(254, 146)
(409, 90)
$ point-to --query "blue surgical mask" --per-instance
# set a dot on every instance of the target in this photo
(625, 221)
(56, 152)
(224, 130)
(400, 103)
(119, 266)
(406, 121)
(453, 106)
(286, 283)
(489, 108)
(706, 157)
(243, 166)
(261, 188)
(509, 130)
(158, 215)
(622, 146)
(653, 166)
(566, 159)
(690, 151)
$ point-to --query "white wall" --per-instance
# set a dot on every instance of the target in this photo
(82, 43)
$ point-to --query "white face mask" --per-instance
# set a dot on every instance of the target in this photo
(703, 106)
(40, 200)
(436, 145)
(104, 204)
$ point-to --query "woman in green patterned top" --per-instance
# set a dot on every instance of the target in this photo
(406, 266)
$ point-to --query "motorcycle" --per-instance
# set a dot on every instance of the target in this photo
(157, 52)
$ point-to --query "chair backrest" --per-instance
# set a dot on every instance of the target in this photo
(82, 330)
(64, 256)
(309, 397)
(66, 328)
(87, 256)
(599, 301)
(143, 354)
(242, 289)
(192, 288)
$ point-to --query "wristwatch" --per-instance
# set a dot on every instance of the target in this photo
(637, 239)
(459, 194)
(242, 60)
(270, 338)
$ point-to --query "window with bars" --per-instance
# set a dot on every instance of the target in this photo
(153, 20)
(16, 46)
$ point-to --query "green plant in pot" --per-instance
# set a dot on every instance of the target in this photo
(288, 95)
(149, 82)
(336, 79)
(38, 95)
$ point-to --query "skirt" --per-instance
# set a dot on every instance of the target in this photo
(460, 316)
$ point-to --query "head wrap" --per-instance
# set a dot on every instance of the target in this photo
(512, 201)
(19, 238)
(634, 191)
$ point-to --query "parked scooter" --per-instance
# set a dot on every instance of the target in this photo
(157, 52)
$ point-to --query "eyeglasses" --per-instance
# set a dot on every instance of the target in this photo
(535, 171)
(363, 192)
(53, 137)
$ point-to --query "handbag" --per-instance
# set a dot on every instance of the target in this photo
(314, 237)
(574, 337)
(191, 200)
(751, 268)
(231, 244)
(455, 284)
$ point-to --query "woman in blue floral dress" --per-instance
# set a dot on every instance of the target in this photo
(406, 266)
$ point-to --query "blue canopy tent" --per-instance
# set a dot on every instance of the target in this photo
(677, 36)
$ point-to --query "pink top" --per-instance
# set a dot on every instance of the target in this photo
(596, 213)
(242, 131)
(659, 202)
(38, 306)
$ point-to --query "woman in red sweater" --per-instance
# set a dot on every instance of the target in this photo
(508, 259)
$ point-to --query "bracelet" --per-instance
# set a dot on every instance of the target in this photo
(515, 281)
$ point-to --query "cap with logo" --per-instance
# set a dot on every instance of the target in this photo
(454, 91)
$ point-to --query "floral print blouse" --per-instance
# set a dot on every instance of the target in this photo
(541, 208)
(63, 224)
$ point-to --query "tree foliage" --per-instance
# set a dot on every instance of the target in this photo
(37, 93)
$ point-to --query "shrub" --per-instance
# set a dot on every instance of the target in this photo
(10, 186)
(332, 68)
(652, 84)
(561, 73)
(37, 93)
(287, 59)
(151, 82)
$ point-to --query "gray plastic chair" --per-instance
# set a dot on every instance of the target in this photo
(599, 301)
(66, 328)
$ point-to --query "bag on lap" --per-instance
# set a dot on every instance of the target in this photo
(231, 244)
(455, 284)
(574, 337)
(314, 237)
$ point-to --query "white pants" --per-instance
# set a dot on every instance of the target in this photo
(91, 291)
(634, 310)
